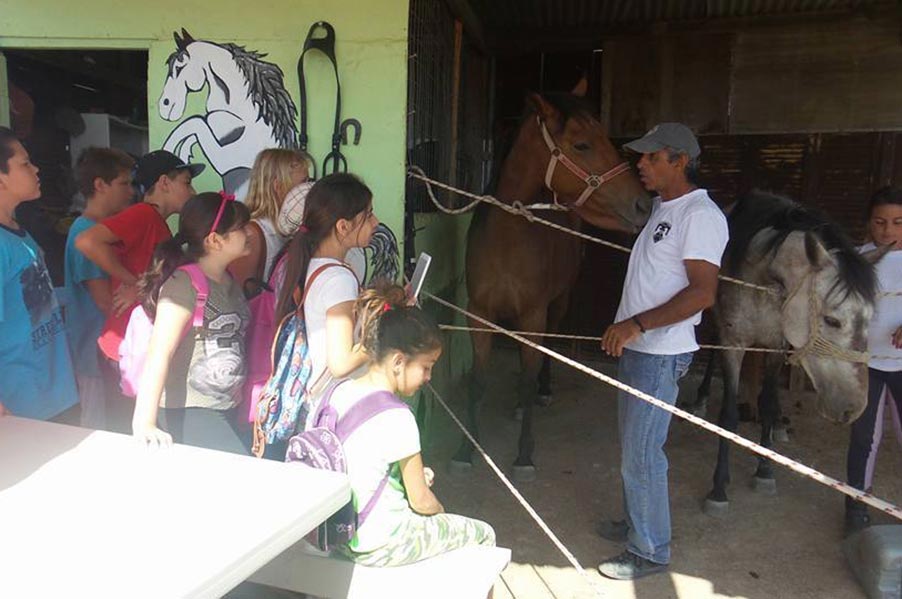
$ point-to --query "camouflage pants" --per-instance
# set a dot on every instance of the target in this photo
(422, 537)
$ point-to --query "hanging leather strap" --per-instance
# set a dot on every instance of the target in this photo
(326, 45)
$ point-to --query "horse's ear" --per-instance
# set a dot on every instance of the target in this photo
(874, 256)
(581, 87)
(186, 37)
(817, 254)
(179, 43)
(542, 107)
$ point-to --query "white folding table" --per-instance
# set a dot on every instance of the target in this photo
(94, 514)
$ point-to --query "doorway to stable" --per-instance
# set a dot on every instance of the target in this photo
(61, 102)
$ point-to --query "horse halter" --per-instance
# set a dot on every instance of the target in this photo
(592, 182)
(817, 345)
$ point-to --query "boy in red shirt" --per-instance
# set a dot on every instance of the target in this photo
(123, 245)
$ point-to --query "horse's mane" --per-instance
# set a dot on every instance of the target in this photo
(266, 87)
(759, 210)
(266, 84)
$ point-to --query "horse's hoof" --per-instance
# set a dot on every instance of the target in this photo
(545, 400)
(460, 468)
(524, 474)
(518, 414)
(716, 509)
(765, 486)
(780, 435)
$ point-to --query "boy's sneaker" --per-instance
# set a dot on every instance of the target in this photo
(613, 530)
(629, 566)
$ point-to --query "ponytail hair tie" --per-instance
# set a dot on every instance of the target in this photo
(303, 229)
(386, 307)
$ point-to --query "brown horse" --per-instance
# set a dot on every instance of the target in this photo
(522, 272)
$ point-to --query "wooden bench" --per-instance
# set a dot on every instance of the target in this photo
(467, 573)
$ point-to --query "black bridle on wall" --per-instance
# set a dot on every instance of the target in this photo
(326, 45)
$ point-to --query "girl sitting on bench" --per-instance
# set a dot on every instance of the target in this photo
(407, 523)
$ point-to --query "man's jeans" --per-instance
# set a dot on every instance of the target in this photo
(643, 465)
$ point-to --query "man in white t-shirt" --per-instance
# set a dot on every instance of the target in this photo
(672, 277)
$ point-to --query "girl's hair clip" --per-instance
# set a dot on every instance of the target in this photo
(386, 307)
(303, 229)
(227, 197)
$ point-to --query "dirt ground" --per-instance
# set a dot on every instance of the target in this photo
(781, 546)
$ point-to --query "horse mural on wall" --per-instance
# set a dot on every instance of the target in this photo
(248, 108)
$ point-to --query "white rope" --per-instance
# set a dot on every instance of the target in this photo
(519, 209)
(416, 172)
(766, 350)
(778, 458)
(519, 497)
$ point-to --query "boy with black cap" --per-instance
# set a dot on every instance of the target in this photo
(123, 245)
(671, 278)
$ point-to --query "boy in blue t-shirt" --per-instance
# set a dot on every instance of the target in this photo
(38, 381)
(104, 178)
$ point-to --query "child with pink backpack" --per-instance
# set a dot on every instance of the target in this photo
(195, 352)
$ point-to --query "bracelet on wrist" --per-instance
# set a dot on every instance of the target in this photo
(639, 324)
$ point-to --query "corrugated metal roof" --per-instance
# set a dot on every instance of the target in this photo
(501, 16)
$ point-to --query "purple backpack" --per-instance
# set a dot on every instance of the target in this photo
(320, 446)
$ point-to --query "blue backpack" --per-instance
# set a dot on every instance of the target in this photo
(321, 446)
(283, 401)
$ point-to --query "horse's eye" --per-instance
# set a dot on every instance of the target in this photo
(178, 69)
(832, 322)
(581, 147)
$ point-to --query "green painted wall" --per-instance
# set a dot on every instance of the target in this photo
(371, 48)
(372, 54)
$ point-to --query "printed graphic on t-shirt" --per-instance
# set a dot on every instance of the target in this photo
(37, 292)
(661, 231)
(37, 295)
(220, 369)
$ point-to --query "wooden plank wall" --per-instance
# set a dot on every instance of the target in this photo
(836, 76)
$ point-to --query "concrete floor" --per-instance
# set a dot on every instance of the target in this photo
(781, 546)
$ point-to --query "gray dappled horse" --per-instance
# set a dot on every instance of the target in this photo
(823, 299)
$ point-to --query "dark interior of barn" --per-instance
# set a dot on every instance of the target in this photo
(798, 98)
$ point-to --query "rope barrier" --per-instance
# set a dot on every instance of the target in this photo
(518, 496)
(519, 209)
(449, 327)
(799, 468)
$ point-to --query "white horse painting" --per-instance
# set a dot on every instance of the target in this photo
(247, 109)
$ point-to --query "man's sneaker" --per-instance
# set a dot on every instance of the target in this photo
(856, 520)
(629, 566)
(613, 530)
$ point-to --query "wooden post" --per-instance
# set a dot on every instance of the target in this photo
(455, 100)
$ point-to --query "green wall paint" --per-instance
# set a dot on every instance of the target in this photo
(372, 55)
(371, 49)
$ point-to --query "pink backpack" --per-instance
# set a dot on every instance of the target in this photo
(133, 349)
(261, 333)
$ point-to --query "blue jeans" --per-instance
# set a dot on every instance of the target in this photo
(643, 463)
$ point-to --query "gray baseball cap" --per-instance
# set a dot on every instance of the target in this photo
(676, 136)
